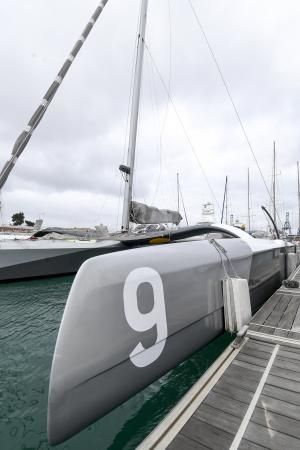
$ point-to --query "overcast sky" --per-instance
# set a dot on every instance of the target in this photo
(68, 174)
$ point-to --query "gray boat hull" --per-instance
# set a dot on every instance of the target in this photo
(95, 367)
(132, 316)
(34, 259)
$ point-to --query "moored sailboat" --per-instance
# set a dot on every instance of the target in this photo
(132, 316)
(39, 257)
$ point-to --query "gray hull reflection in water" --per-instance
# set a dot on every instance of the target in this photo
(130, 318)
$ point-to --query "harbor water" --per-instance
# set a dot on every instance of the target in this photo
(30, 314)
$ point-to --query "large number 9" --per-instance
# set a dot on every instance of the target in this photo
(140, 356)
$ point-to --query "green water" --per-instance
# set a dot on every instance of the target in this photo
(30, 313)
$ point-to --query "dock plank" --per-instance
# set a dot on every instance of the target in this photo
(277, 422)
(288, 353)
(263, 313)
(206, 434)
(289, 385)
(233, 392)
(275, 440)
(237, 370)
(256, 353)
(280, 393)
(225, 404)
(294, 335)
(249, 366)
(287, 364)
(287, 320)
(254, 360)
(220, 419)
(288, 348)
(247, 445)
(277, 313)
(254, 344)
(279, 406)
(248, 385)
(296, 323)
(182, 442)
(285, 373)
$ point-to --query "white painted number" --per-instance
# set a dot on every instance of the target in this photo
(140, 356)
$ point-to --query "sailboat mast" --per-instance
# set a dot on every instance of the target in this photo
(274, 183)
(248, 200)
(298, 198)
(226, 204)
(224, 199)
(134, 116)
(178, 192)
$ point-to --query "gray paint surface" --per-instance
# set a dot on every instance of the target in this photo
(92, 372)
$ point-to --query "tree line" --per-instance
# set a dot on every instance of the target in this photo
(19, 218)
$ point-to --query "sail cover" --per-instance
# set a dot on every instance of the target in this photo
(141, 213)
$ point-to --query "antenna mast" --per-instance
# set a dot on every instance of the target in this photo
(128, 170)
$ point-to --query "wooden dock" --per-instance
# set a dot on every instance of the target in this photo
(250, 397)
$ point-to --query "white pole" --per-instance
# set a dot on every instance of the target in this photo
(226, 205)
(134, 116)
(298, 198)
(248, 200)
(274, 183)
(178, 192)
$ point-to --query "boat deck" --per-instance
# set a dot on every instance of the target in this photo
(250, 397)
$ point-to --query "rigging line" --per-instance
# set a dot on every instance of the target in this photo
(161, 160)
(183, 127)
(119, 201)
(231, 100)
(168, 103)
(183, 205)
(158, 145)
(155, 108)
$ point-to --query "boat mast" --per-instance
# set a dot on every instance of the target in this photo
(128, 170)
(224, 199)
(226, 205)
(248, 200)
(298, 198)
(274, 183)
(177, 192)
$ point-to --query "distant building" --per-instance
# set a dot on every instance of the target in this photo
(208, 213)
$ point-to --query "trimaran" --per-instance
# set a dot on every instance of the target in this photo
(133, 315)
